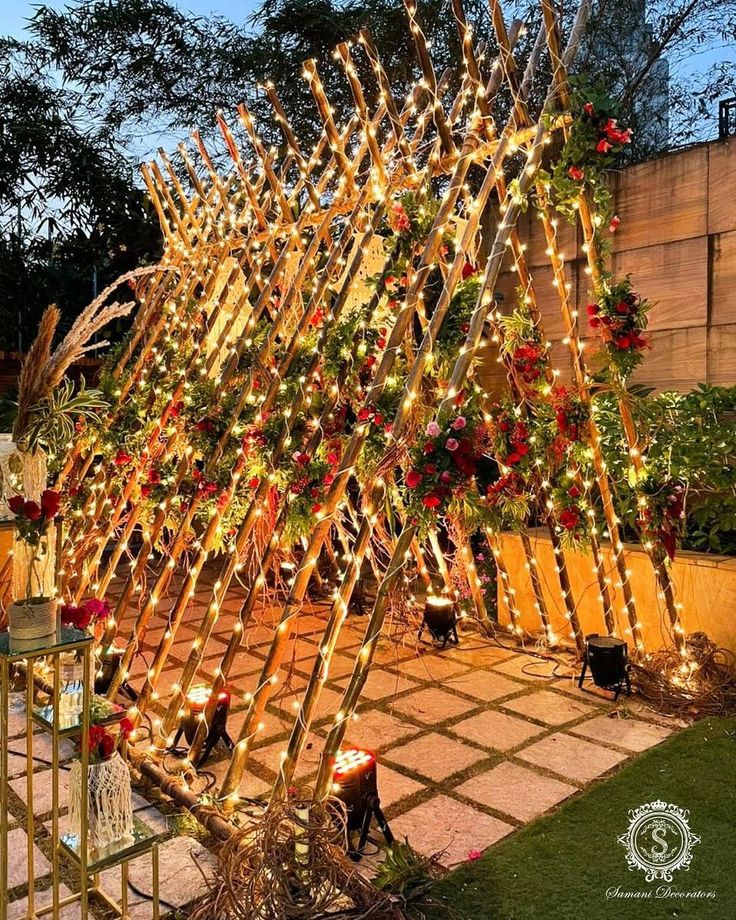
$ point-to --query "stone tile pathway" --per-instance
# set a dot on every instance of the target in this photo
(472, 742)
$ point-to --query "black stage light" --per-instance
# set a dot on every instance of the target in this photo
(440, 618)
(608, 660)
(355, 783)
(109, 666)
(194, 706)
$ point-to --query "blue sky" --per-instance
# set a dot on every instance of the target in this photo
(13, 15)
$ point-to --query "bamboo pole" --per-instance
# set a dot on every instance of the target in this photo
(365, 656)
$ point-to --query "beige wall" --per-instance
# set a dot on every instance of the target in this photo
(706, 587)
(678, 240)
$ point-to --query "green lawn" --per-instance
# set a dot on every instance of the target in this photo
(561, 867)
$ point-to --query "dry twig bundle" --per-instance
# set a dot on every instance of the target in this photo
(290, 863)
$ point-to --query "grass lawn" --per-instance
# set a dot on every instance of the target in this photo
(561, 867)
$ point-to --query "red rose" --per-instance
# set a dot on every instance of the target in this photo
(316, 508)
(301, 458)
(126, 727)
(121, 458)
(329, 479)
(615, 221)
(594, 322)
(570, 518)
(364, 414)
(428, 448)
(468, 270)
(589, 109)
(574, 492)
(32, 511)
(431, 501)
(592, 309)
(413, 478)
(603, 146)
(50, 503)
(513, 458)
(576, 173)
(16, 504)
(107, 745)
(254, 482)
(623, 342)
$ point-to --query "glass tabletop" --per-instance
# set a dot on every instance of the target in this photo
(63, 640)
(71, 722)
(99, 859)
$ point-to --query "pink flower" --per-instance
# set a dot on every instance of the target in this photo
(459, 423)
(615, 221)
(474, 854)
(433, 429)
(451, 444)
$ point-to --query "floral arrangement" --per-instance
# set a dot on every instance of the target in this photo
(32, 523)
(511, 438)
(572, 517)
(443, 464)
(620, 317)
(594, 142)
(662, 513)
(102, 744)
(89, 613)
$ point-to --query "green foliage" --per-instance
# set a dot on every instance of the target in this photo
(403, 872)
(687, 438)
(53, 423)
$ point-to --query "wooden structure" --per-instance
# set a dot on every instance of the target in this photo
(283, 238)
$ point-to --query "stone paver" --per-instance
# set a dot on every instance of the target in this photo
(394, 786)
(42, 790)
(496, 730)
(527, 667)
(375, 730)
(435, 756)
(550, 708)
(17, 910)
(431, 667)
(516, 791)
(444, 824)
(382, 684)
(485, 685)
(18, 859)
(185, 867)
(432, 705)
(626, 733)
(572, 758)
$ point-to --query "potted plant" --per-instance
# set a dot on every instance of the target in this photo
(109, 796)
(33, 615)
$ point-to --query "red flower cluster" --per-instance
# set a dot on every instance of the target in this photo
(122, 458)
(32, 511)
(515, 435)
(102, 744)
(371, 414)
(528, 361)
(91, 611)
(509, 486)
(399, 220)
(570, 517)
(619, 323)
(610, 135)
(445, 464)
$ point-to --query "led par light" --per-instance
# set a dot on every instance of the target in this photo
(109, 665)
(194, 707)
(440, 619)
(355, 784)
(608, 660)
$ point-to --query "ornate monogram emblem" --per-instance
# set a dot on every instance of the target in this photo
(658, 840)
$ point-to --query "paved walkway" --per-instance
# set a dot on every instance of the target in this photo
(472, 742)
